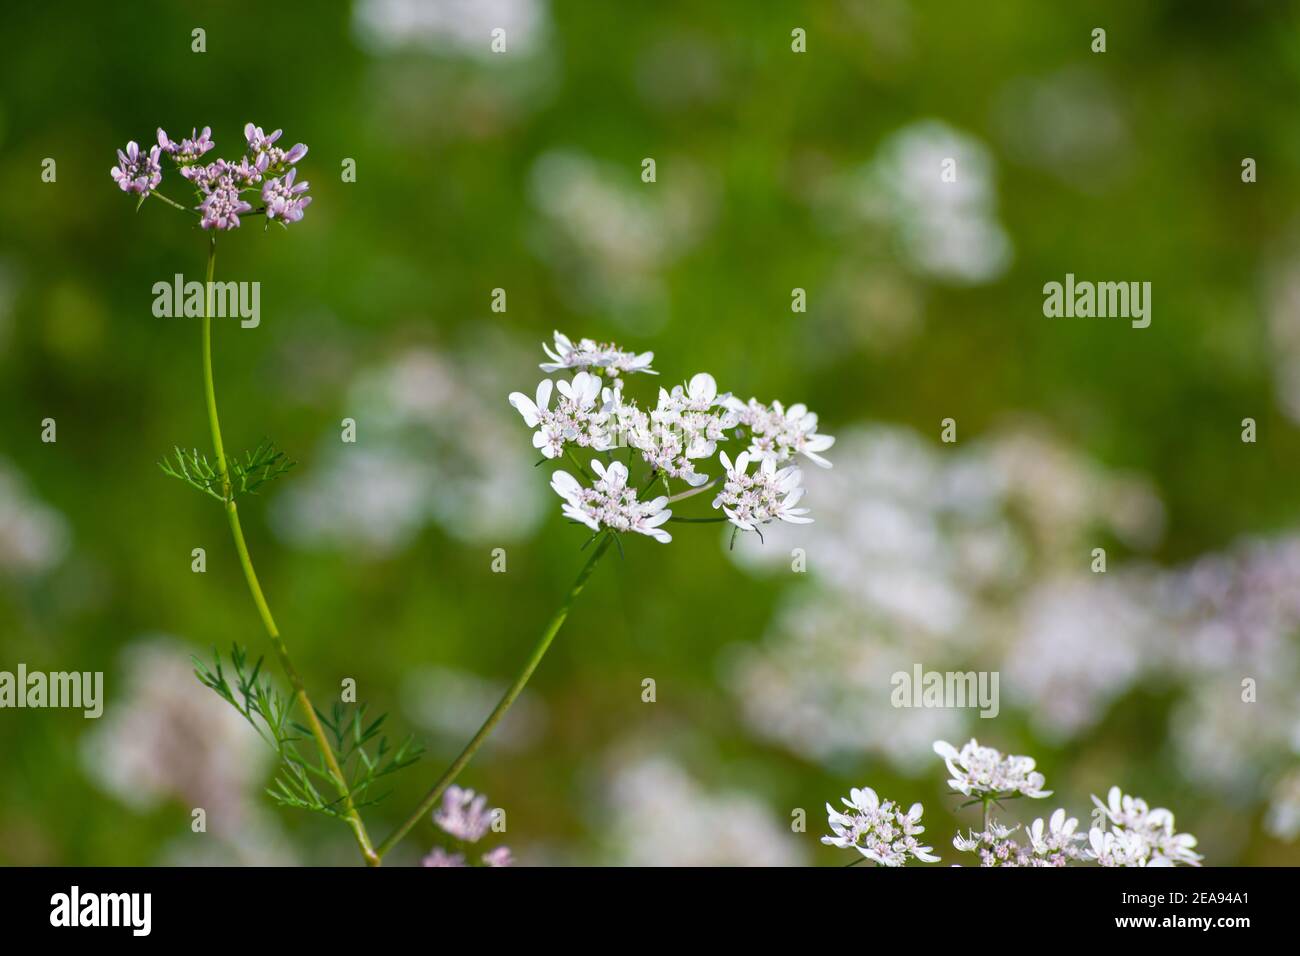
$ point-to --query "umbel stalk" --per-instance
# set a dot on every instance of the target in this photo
(512, 692)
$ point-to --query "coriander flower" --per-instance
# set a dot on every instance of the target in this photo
(207, 175)
(1047, 847)
(685, 426)
(440, 857)
(137, 172)
(283, 198)
(766, 495)
(689, 409)
(591, 354)
(1120, 848)
(576, 419)
(778, 434)
(222, 206)
(249, 174)
(464, 814)
(466, 818)
(995, 846)
(263, 146)
(186, 151)
(984, 772)
(880, 831)
(1139, 835)
(1055, 845)
(610, 503)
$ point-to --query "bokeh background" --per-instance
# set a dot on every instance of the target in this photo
(775, 170)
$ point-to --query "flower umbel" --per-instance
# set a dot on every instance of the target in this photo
(284, 199)
(464, 814)
(877, 829)
(588, 353)
(749, 500)
(224, 190)
(778, 434)
(610, 503)
(673, 438)
(137, 172)
(1139, 835)
(466, 818)
(985, 772)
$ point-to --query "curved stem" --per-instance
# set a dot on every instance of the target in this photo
(350, 813)
(539, 651)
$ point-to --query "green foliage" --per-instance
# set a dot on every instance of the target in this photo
(364, 756)
(263, 464)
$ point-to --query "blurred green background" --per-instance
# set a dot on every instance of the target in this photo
(775, 170)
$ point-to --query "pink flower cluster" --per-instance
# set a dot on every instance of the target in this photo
(466, 818)
(266, 170)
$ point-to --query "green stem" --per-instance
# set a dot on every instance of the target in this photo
(577, 464)
(173, 202)
(535, 658)
(350, 813)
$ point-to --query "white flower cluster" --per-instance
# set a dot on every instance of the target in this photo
(1056, 844)
(683, 428)
(610, 503)
(589, 353)
(1138, 835)
(877, 829)
(777, 434)
(983, 771)
(577, 419)
(749, 500)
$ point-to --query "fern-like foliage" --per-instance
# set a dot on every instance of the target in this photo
(245, 474)
(304, 780)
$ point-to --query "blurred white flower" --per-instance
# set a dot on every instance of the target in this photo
(462, 27)
(609, 237)
(947, 230)
(658, 815)
(818, 683)
(436, 446)
(167, 738)
(1283, 819)
(1069, 124)
(1079, 642)
(33, 536)
(453, 703)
